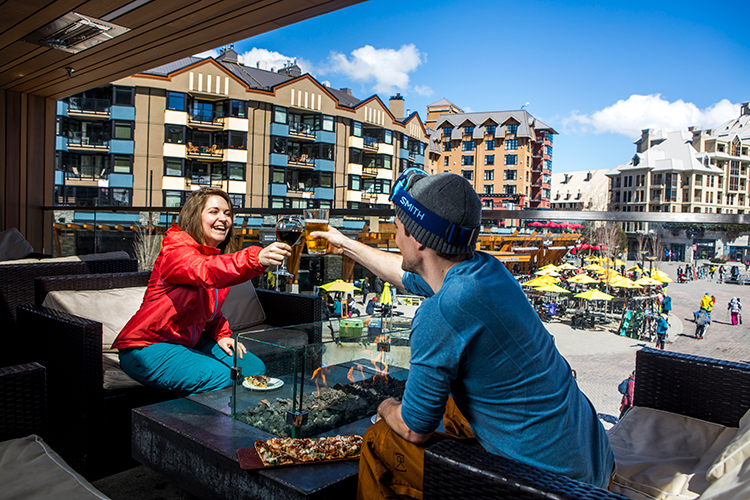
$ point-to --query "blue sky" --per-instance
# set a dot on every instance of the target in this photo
(596, 72)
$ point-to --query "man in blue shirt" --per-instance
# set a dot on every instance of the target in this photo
(478, 352)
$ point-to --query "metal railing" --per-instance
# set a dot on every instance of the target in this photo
(89, 105)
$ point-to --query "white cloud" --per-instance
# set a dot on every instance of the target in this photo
(386, 69)
(628, 117)
(423, 90)
(273, 59)
(209, 53)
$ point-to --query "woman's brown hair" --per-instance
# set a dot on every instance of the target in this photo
(190, 217)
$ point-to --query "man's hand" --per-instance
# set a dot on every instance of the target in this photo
(273, 254)
(390, 411)
(336, 240)
(227, 345)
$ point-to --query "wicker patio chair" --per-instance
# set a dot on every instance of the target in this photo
(90, 425)
(23, 401)
(704, 388)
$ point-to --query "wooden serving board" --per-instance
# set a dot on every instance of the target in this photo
(249, 460)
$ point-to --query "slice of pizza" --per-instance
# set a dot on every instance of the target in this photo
(271, 457)
(258, 381)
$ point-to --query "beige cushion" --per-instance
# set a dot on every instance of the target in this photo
(734, 454)
(112, 308)
(242, 308)
(114, 377)
(119, 255)
(664, 455)
(29, 468)
(734, 485)
(13, 245)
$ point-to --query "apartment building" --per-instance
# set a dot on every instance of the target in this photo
(581, 190)
(693, 171)
(271, 138)
(506, 155)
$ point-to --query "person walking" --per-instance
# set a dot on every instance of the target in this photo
(721, 274)
(702, 320)
(735, 308)
(662, 326)
(365, 289)
(626, 388)
(378, 286)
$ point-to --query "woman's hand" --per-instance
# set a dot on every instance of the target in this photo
(227, 345)
(273, 254)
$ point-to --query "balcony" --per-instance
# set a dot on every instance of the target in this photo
(79, 141)
(86, 171)
(97, 108)
(370, 142)
(370, 171)
(205, 119)
(302, 130)
(302, 160)
(211, 153)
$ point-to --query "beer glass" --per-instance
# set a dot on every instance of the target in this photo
(316, 219)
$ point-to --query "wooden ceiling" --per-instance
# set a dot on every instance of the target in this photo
(161, 31)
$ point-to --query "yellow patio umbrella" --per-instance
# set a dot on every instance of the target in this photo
(661, 276)
(567, 267)
(542, 280)
(551, 289)
(625, 283)
(339, 286)
(646, 281)
(612, 279)
(547, 272)
(635, 268)
(619, 263)
(593, 295)
(594, 267)
(385, 297)
(582, 278)
(548, 266)
(608, 273)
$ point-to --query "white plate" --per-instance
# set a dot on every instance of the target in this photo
(273, 383)
(374, 418)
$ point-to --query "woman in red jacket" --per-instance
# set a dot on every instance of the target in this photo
(178, 339)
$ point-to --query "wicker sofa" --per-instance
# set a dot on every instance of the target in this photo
(710, 390)
(90, 425)
(17, 288)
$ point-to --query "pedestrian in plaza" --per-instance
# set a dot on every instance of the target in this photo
(666, 304)
(370, 308)
(662, 326)
(735, 308)
(378, 286)
(702, 320)
(712, 271)
(481, 360)
(626, 388)
(721, 274)
(178, 339)
(365, 289)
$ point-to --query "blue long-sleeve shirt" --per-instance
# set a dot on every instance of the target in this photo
(479, 340)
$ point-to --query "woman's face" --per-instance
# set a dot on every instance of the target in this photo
(216, 220)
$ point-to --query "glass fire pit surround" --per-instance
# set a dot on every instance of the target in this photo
(316, 387)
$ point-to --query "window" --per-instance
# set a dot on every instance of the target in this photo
(279, 114)
(734, 175)
(446, 145)
(490, 130)
(236, 171)
(511, 129)
(548, 150)
(355, 183)
(238, 200)
(489, 145)
(278, 145)
(446, 161)
(357, 129)
(468, 146)
(174, 198)
(387, 161)
(174, 167)
(230, 139)
(235, 108)
(380, 186)
(468, 174)
(671, 188)
(123, 96)
(489, 175)
(327, 123)
(467, 160)
(175, 134)
(326, 180)
(278, 176)
(736, 146)
(122, 130)
(510, 175)
(511, 144)
(355, 156)
(488, 189)
(176, 101)
(447, 131)
(489, 159)
(511, 159)
(548, 164)
(122, 164)
(468, 130)
(509, 189)
(388, 137)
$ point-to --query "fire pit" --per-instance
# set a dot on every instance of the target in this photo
(317, 388)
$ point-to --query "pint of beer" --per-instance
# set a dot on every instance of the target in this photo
(316, 219)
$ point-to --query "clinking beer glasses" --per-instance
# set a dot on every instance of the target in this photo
(288, 230)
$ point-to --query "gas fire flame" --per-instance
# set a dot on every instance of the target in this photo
(322, 372)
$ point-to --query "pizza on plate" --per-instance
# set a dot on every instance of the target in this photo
(257, 381)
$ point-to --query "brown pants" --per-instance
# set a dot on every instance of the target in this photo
(392, 467)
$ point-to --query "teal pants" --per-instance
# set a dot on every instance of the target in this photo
(202, 368)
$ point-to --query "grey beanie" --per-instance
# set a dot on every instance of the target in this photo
(451, 197)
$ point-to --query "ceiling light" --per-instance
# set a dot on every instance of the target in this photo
(75, 32)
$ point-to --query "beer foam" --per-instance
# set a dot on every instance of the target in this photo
(316, 221)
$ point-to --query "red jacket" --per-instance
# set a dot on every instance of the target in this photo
(185, 293)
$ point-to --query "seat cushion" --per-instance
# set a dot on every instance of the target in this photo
(30, 469)
(242, 308)
(13, 245)
(663, 455)
(734, 454)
